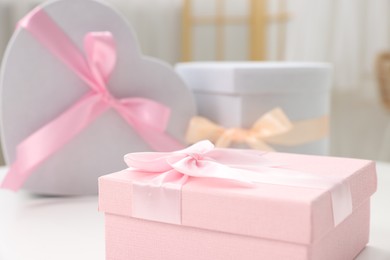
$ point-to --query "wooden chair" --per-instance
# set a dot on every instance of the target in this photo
(257, 20)
(383, 76)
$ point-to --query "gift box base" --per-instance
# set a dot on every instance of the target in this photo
(130, 238)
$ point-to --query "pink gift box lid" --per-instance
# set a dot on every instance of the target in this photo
(277, 212)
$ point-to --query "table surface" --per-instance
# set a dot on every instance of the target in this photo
(36, 227)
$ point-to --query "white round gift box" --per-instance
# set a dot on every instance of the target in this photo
(236, 94)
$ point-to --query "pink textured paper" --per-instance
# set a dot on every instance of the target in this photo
(130, 238)
(299, 215)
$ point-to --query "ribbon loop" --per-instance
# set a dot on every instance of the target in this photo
(275, 122)
(101, 57)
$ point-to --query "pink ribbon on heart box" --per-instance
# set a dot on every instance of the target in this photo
(159, 178)
(147, 117)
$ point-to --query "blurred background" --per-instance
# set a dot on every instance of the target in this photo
(353, 35)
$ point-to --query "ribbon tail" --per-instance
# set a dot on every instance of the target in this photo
(272, 123)
(40, 145)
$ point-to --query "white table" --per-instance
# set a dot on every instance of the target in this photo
(43, 228)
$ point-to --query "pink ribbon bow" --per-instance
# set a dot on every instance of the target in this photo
(166, 173)
(148, 118)
(200, 160)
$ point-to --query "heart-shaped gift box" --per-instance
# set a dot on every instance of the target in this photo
(37, 87)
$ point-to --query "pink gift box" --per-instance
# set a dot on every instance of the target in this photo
(223, 221)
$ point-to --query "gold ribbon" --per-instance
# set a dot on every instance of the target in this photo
(272, 128)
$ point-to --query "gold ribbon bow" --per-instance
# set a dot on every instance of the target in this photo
(271, 128)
